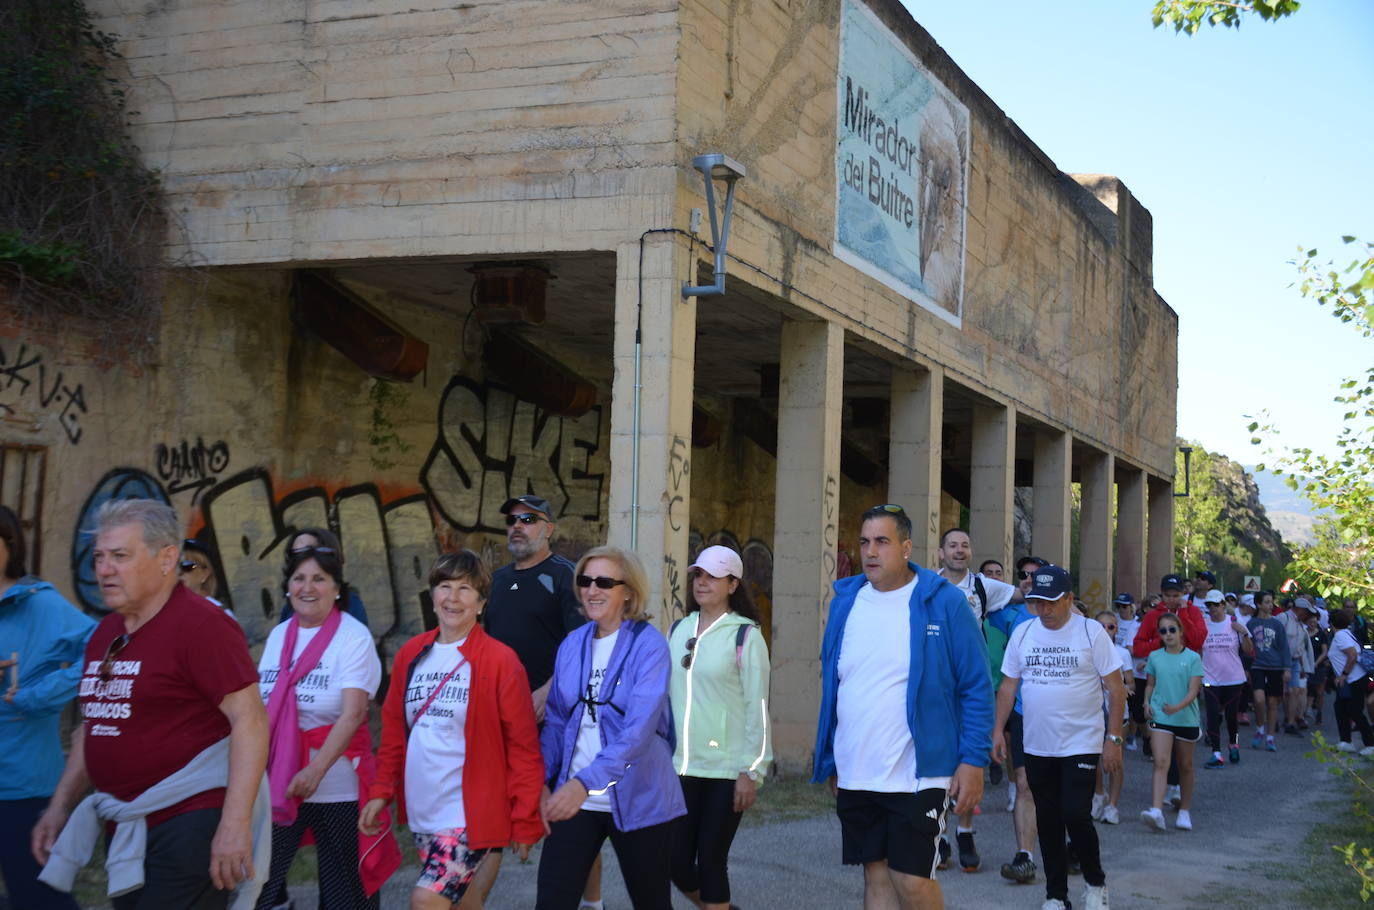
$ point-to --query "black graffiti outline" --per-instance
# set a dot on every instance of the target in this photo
(480, 447)
(74, 397)
(202, 463)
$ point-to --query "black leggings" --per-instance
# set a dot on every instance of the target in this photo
(1063, 791)
(645, 856)
(1350, 710)
(702, 838)
(335, 829)
(1222, 700)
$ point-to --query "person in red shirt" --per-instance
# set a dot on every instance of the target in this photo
(1171, 601)
(167, 675)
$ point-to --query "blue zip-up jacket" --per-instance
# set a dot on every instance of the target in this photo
(948, 692)
(48, 632)
(634, 718)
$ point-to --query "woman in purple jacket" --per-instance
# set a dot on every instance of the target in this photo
(608, 743)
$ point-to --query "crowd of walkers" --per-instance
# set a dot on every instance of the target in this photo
(544, 704)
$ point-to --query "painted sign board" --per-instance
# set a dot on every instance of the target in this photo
(1252, 584)
(901, 168)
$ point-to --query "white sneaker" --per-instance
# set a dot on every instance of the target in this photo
(1095, 897)
(1110, 816)
(1366, 751)
(1174, 796)
(1153, 818)
(1346, 747)
(1099, 800)
(1184, 822)
(1054, 903)
(1011, 797)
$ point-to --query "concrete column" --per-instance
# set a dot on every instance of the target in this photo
(1159, 550)
(1130, 532)
(806, 523)
(991, 483)
(1095, 529)
(914, 454)
(1051, 502)
(667, 360)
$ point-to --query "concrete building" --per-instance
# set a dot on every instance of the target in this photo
(432, 255)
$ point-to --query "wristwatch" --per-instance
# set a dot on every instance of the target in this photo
(1115, 740)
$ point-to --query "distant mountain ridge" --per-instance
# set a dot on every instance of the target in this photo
(1289, 511)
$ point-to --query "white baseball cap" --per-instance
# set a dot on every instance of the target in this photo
(719, 561)
(1214, 597)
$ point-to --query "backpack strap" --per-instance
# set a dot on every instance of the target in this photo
(982, 593)
(740, 635)
(673, 628)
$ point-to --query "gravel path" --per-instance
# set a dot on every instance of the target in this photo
(1244, 816)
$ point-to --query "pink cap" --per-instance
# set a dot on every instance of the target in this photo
(719, 561)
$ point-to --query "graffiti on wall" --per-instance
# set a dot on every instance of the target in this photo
(492, 446)
(489, 446)
(388, 544)
(757, 557)
(188, 466)
(27, 379)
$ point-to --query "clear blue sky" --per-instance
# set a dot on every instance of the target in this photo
(1242, 144)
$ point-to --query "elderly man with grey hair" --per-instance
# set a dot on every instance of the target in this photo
(173, 736)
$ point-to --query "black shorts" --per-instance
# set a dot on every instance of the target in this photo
(902, 828)
(1270, 682)
(1016, 740)
(1182, 734)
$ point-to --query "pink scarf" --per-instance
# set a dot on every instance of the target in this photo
(284, 748)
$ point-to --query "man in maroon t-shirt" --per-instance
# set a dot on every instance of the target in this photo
(167, 675)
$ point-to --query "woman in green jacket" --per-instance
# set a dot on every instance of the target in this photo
(719, 692)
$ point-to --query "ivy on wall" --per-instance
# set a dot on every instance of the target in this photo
(81, 217)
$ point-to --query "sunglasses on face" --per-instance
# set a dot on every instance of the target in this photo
(1168, 631)
(111, 652)
(525, 518)
(190, 565)
(601, 581)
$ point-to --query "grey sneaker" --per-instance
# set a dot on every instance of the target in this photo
(1021, 869)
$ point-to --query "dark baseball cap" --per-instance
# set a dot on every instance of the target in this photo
(1124, 598)
(534, 502)
(1208, 576)
(1171, 582)
(1049, 582)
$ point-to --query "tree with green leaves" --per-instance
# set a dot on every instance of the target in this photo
(1190, 15)
(1340, 482)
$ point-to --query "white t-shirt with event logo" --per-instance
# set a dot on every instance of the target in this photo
(1125, 637)
(437, 748)
(349, 662)
(1061, 673)
(589, 733)
(873, 745)
(999, 594)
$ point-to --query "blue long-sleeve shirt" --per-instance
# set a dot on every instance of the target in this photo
(49, 635)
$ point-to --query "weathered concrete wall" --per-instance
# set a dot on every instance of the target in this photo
(248, 425)
(1059, 313)
(349, 129)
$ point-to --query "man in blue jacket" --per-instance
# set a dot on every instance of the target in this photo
(906, 713)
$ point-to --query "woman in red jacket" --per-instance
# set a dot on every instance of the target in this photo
(458, 734)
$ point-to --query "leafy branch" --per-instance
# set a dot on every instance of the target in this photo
(1188, 16)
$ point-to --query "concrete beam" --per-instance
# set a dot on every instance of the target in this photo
(914, 453)
(1130, 533)
(991, 482)
(805, 539)
(1051, 492)
(1095, 529)
(1159, 549)
(660, 516)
